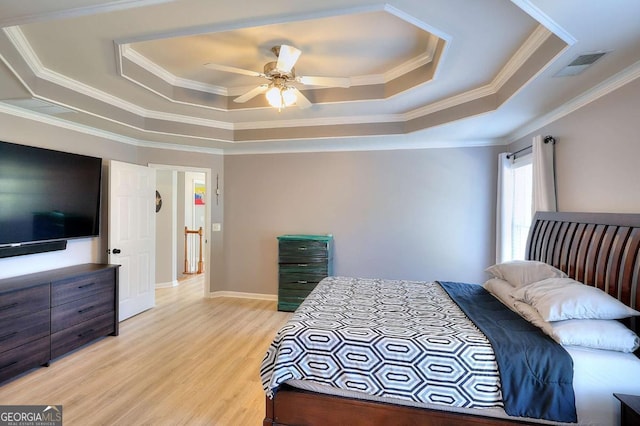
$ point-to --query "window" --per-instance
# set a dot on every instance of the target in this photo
(515, 208)
(522, 175)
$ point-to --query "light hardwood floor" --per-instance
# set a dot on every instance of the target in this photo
(188, 361)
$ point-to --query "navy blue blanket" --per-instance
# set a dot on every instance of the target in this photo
(536, 373)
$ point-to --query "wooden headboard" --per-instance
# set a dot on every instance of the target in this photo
(597, 249)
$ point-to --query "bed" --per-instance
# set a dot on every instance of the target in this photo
(599, 250)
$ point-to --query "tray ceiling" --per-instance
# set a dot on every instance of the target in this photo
(423, 73)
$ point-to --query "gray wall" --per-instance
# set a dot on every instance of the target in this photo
(166, 234)
(408, 214)
(33, 132)
(597, 153)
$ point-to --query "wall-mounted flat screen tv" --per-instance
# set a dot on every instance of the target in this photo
(46, 196)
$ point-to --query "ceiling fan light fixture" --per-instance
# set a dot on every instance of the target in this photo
(281, 96)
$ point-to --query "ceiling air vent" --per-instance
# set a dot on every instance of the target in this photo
(580, 64)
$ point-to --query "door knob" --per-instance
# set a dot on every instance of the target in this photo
(116, 251)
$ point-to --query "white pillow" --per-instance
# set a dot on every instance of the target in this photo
(558, 299)
(530, 314)
(522, 272)
(501, 290)
(609, 335)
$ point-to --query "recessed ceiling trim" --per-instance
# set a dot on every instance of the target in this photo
(345, 126)
(535, 41)
(321, 121)
(418, 23)
(532, 10)
(412, 77)
(530, 46)
(85, 90)
(126, 51)
(258, 22)
(609, 85)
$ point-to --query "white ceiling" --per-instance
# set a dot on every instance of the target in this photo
(423, 72)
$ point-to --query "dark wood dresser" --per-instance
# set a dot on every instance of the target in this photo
(47, 314)
(303, 261)
(629, 409)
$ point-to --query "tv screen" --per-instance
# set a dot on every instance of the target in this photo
(47, 195)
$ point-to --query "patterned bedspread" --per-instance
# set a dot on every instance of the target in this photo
(398, 339)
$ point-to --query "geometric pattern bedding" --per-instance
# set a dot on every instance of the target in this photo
(401, 339)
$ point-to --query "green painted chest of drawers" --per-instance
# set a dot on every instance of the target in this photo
(303, 261)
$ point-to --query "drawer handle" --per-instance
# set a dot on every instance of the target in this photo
(302, 248)
(86, 333)
(303, 265)
(82, 311)
(86, 285)
(8, 336)
(8, 365)
(5, 307)
(303, 282)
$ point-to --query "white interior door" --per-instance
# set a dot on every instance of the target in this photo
(132, 234)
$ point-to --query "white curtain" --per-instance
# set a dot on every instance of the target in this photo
(504, 209)
(544, 181)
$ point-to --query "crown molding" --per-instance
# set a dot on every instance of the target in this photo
(371, 143)
(126, 51)
(531, 44)
(387, 144)
(104, 7)
(604, 88)
(532, 10)
(321, 121)
(88, 130)
(416, 22)
(23, 47)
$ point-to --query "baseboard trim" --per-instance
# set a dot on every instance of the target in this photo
(240, 295)
(168, 284)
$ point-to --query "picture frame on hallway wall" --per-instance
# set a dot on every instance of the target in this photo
(198, 193)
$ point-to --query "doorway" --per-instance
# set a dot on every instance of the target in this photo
(183, 199)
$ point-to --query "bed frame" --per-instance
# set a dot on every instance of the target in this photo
(598, 249)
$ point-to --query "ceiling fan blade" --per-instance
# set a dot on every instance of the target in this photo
(235, 70)
(301, 100)
(252, 93)
(325, 81)
(287, 58)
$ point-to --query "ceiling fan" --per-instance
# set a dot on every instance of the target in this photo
(279, 91)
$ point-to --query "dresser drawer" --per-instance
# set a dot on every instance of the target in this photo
(302, 273)
(82, 333)
(80, 310)
(290, 299)
(23, 358)
(26, 301)
(18, 331)
(301, 251)
(65, 291)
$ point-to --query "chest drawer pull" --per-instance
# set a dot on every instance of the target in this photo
(9, 306)
(8, 336)
(303, 282)
(82, 311)
(86, 333)
(302, 248)
(86, 285)
(303, 265)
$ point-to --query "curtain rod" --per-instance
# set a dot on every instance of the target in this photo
(547, 139)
